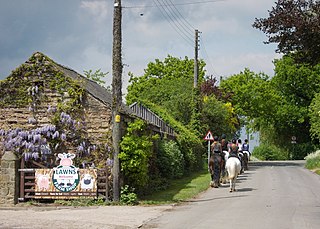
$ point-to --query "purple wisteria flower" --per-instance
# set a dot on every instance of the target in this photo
(109, 162)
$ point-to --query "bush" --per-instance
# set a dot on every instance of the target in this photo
(269, 153)
(127, 196)
(313, 160)
(170, 160)
(300, 151)
(136, 149)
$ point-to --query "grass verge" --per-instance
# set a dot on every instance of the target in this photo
(180, 189)
(313, 162)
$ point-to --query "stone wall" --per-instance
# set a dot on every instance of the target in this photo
(9, 179)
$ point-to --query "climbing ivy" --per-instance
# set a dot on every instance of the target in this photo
(136, 149)
(28, 86)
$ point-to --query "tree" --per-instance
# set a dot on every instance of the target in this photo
(252, 95)
(97, 76)
(295, 26)
(297, 85)
(167, 83)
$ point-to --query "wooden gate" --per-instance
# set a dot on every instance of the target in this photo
(28, 181)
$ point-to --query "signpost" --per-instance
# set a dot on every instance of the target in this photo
(208, 138)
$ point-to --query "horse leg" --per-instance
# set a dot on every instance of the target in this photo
(234, 184)
(211, 182)
(230, 180)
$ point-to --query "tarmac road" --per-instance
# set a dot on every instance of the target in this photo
(279, 195)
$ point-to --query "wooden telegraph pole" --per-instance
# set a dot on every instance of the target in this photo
(196, 69)
(116, 96)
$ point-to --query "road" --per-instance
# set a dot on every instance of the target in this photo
(280, 195)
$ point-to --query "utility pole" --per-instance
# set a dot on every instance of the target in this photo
(195, 93)
(116, 96)
(196, 48)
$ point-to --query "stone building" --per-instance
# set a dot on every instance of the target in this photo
(46, 109)
(40, 95)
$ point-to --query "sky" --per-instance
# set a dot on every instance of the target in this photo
(78, 34)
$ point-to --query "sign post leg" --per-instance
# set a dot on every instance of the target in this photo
(208, 153)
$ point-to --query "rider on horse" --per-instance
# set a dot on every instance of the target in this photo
(215, 164)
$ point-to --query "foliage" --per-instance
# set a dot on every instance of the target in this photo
(65, 129)
(269, 152)
(297, 85)
(168, 83)
(81, 202)
(136, 149)
(252, 96)
(295, 26)
(189, 143)
(180, 189)
(170, 160)
(218, 117)
(127, 196)
(314, 112)
(299, 151)
(313, 160)
(97, 76)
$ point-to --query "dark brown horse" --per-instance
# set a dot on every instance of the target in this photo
(215, 167)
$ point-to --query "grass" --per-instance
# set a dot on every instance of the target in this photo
(313, 162)
(180, 189)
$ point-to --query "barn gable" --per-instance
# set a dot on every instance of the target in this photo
(41, 92)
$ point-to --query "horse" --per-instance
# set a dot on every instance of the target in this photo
(233, 166)
(215, 167)
(246, 158)
(225, 155)
(242, 161)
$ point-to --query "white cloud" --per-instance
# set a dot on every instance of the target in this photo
(98, 9)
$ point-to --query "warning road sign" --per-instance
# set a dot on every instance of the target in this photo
(208, 136)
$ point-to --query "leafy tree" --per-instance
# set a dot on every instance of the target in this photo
(97, 76)
(295, 26)
(168, 83)
(252, 96)
(218, 117)
(297, 85)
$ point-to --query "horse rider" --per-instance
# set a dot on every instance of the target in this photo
(225, 149)
(233, 150)
(216, 145)
(245, 146)
(216, 151)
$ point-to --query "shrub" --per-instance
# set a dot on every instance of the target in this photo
(269, 153)
(313, 160)
(170, 160)
(136, 149)
(127, 196)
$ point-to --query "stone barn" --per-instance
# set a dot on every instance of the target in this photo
(47, 109)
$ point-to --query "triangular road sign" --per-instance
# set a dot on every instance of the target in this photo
(208, 136)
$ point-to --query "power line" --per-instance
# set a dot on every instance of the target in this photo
(176, 4)
(209, 62)
(177, 19)
(186, 22)
(172, 23)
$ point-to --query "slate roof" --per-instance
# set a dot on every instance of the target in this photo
(90, 86)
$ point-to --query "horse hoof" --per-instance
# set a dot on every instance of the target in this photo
(230, 190)
(211, 184)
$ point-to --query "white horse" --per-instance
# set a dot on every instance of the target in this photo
(233, 166)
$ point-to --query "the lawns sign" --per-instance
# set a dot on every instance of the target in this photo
(65, 181)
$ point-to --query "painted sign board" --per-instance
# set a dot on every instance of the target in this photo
(65, 181)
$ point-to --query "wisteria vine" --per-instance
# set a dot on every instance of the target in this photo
(43, 141)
